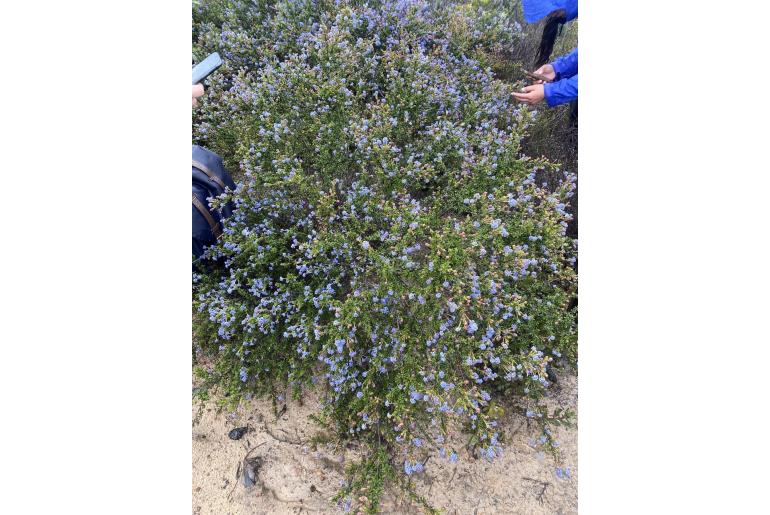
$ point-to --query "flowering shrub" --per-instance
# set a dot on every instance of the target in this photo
(390, 243)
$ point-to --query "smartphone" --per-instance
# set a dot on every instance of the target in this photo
(206, 67)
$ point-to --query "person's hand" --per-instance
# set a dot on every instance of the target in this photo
(546, 71)
(531, 94)
(197, 90)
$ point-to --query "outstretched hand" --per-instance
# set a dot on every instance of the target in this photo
(531, 94)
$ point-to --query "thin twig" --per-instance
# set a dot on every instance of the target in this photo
(536, 76)
(284, 440)
(544, 484)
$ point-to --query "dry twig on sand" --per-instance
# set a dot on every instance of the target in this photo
(544, 484)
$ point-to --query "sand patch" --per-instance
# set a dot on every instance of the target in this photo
(293, 478)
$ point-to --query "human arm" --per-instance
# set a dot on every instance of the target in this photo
(561, 92)
(565, 66)
(562, 68)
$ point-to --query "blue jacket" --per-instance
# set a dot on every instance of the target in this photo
(565, 88)
(536, 10)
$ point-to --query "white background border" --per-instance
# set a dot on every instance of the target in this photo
(673, 257)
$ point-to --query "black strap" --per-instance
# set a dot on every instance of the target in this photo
(203, 168)
(215, 228)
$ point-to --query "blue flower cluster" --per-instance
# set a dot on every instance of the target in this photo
(390, 244)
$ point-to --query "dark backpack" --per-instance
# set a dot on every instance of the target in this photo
(209, 179)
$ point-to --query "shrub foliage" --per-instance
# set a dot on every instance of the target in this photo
(390, 245)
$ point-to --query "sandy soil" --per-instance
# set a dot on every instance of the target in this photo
(294, 478)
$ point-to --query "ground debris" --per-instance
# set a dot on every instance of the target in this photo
(238, 432)
(542, 485)
(250, 472)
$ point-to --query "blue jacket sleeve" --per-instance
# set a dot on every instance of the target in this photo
(561, 92)
(566, 66)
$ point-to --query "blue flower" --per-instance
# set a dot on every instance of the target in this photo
(410, 468)
(472, 327)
